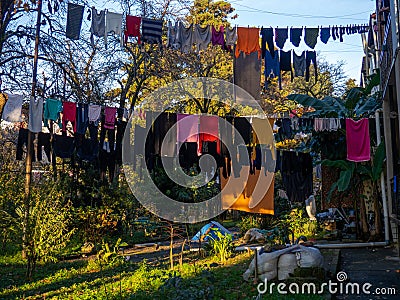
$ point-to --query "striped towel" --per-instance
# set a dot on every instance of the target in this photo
(151, 31)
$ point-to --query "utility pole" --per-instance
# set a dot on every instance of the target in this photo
(28, 167)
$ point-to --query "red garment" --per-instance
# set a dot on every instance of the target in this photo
(109, 113)
(132, 27)
(357, 140)
(248, 41)
(208, 132)
(69, 114)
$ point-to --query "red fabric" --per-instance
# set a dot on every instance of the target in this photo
(208, 132)
(132, 27)
(358, 141)
(69, 114)
(109, 113)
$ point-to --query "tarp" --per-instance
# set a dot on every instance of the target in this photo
(209, 230)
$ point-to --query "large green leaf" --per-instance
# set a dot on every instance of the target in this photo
(367, 106)
(353, 97)
(309, 101)
(337, 104)
(374, 81)
(379, 158)
(344, 180)
(341, 164)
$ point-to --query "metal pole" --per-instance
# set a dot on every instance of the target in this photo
(28, 167)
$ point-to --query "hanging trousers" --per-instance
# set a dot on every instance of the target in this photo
(311, 56)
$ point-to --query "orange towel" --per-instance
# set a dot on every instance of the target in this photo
(248, 41)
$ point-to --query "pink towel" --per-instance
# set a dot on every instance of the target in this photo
(188, 128)
(109, 122)
(358, 142)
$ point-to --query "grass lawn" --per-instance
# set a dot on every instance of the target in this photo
(83, 279)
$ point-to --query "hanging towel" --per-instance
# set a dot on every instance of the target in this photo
(231, 36)
(187, 128)
(267, 38)
(202, 37)
(35, 114)
(295, 36)
(285, 62)
(151, 31)
(208, 132)
(113, 25)
(74, 21)
(185, 36)
(247, 73)
(69, 114)
(299, 64)
(325, 34)
(12, 108)
(132, 27)
(109, 121)
(98, 27)
(311, 36)
(281, 35)
(218, 37)
(52, 109)
(248, 41)
(94, 113)
(358, 140)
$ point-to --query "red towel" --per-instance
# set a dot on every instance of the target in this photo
(132, 27)
(69, 114)
(358, 141)
(209, 132)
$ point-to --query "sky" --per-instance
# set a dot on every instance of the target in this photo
(312, 13)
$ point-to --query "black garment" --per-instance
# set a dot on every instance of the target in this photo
(121, 126)
(325, 34)
(285, 63)
(82, 118)
(281, 35)
(85, 148)
(138, 145)
(299, 64)
(43, 140)
(311, 56)
(23, 139)
(74, 21)
(244, 129)
(311, 36)
(164, 123)
(93, 132)
(267, 38)
(285, 129)
(210, 148)
(297, 175)
(247, 73)
(110, 135)
(188, 155)
(225, 131)
(63, 146)
(342, 31)
(295, 36)
(107, 162)
(150, 141)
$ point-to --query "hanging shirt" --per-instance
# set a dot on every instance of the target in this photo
(74, 21)
(299, 64)
(52, 109)
(285, 62)
(267, 39)
(358, 140)
(187, 128)
(209, 129)
(173, 38)
(325, 34)
(231, 36)
(12, 108)
(202, 37)
(281, 35)
(35, 114)
(109, 121)
(218, 37)
(248, 41)
(94, 113)
(132, 27)
(185, 37)
(295, 36)
(98, 27)
(113, 24)
(310, 37)
(151, 31)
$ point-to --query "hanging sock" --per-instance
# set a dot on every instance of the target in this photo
(267, 38)
(310, 37)
(299, 64)
(132, 27)
(74, 21)
(281, 35)
(202, 37)
(325, 34)
(248, 41)
(295, 36)
(151, 31)
(342, 31)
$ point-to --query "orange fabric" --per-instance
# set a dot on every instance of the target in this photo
(240, 193)
(248, 41)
